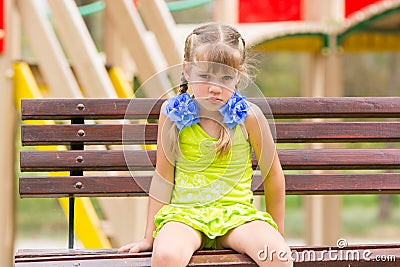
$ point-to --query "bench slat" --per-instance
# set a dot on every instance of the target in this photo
(32, 253)
(291, 107)
(66, 109)
(295, 132)
(312, 159)
(296, 184)
(93, 134)
(305, 256)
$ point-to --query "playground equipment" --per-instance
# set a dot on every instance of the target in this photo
(338, 27)
(91, 73)
(371, 29)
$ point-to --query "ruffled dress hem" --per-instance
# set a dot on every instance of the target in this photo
(211, 221)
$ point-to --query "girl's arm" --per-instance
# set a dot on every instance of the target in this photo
(164, 170)
(261, 140)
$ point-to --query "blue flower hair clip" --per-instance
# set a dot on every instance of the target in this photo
(235, 110)
(182, 110)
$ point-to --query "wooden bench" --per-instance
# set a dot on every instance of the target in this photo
(339, 120)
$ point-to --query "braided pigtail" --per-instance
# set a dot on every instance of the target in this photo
(173, 132)
(183, 87)
(224, 143)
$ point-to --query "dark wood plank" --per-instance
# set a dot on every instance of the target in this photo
(88, 134)
(58, 186)
(301, 132)
(337, 132)
(354, 255)
(338, 184)
(335, 107)
(66, 109)
(106, 160)
(339, 159)
(296, 184)
(33, 253)
(94, 160)
(291, 107)
(136, 259)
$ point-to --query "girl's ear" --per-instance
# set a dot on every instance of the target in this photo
(186, 70)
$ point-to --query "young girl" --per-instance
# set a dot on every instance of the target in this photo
(201, 195)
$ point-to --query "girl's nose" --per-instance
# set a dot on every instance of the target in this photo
(214, 88)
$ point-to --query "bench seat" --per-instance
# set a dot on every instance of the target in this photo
(304, 256)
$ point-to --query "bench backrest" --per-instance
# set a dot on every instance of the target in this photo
(300, 121)
(316, 143)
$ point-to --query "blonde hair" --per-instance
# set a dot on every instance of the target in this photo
(217, 43)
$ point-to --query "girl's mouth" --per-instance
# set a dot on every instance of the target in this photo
(214, 99)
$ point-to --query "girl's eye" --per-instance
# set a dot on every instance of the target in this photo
(227, 78)
(205, 76)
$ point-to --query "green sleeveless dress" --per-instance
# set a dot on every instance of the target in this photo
(211, 194)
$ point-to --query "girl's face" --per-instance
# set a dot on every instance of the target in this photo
(212, 84)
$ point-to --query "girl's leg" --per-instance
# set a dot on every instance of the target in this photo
(260, 241)
(175, 244)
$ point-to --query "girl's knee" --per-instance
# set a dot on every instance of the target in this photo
(174, 245)
(169, 256)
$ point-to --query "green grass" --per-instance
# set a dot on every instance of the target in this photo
(359, 217)
(40, 217)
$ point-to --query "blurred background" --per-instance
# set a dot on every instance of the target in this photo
(108, 48)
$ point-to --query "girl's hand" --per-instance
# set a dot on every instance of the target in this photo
(143, 245)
